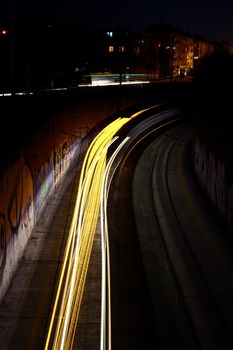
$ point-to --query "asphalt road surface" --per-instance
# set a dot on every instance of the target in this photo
(171, 253)
(171, 259)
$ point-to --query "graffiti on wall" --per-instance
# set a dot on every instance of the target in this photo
(56, 165)
(2, 244)
(50, 173)
(14, 209)
(44, 184)
(64, 156)
(22, 199)
(16, 212)
(62, 159)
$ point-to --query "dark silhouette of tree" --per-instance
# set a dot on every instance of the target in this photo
(217, 67)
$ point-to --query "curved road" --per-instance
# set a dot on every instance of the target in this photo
(171, 255)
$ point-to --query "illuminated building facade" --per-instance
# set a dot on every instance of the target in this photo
(167, 52)
(56, 55)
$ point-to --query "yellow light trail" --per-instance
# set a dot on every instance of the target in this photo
(92, 185)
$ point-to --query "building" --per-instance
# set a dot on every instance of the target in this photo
(163, 51)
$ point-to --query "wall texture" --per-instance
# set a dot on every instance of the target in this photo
(211, 172)
(25, 186)
(48, 152)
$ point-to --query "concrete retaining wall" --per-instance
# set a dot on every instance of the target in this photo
(211, 172)
(27, 183)
(25, 187)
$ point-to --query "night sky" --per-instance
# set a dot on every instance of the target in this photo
(212, 19)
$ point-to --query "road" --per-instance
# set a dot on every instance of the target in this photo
(43, 303)
(140, 261)
(171, 253)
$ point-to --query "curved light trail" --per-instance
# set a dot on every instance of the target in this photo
(105, 334)
(91, 202)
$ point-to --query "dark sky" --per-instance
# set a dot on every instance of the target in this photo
(211, 19)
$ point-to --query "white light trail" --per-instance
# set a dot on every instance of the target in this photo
(105, 329)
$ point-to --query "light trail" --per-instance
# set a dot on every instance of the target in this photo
(105, 329)
(91, 201)
(79, 243)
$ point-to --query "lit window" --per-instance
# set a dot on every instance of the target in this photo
(121, 49)
(110, 49)
(110, 34)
